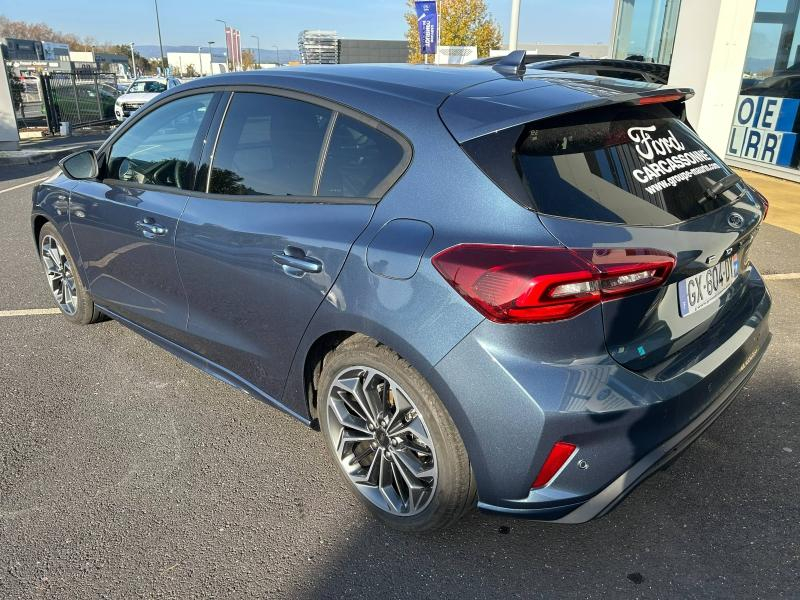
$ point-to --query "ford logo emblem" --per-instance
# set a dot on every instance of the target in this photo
(735, 220)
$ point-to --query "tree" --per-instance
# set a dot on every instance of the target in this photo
(189, 71)
(248, 60)
(461, 23)
(41, 31)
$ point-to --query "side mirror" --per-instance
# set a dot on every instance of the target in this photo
(81, 165)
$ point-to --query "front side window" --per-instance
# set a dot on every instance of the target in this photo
(358, 161)
(157, 149)
(268, 145)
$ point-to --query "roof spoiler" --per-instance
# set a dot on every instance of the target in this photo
(512, 65)
(489, 107)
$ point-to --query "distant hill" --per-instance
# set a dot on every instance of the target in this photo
(267, 54)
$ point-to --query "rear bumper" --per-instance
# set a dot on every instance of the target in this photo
(656, 459)
(515, 391)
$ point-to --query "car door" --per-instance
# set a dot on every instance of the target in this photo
(125, 222)
(261, 249)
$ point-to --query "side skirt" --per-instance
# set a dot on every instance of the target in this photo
(205, 365)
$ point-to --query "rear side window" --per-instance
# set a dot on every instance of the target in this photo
(630, 165)
(268, 145)
(359, 160)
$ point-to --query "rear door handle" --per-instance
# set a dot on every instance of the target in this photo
(295, 262)
(150, 228)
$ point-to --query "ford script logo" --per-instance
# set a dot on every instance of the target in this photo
(735, 220)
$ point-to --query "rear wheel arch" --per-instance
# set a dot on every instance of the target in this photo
(330, 341)
(39, 221)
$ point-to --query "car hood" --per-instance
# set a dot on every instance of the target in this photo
(140, 98)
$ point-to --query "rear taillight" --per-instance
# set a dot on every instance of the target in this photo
(523, 284)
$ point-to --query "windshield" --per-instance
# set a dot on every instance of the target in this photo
(631, 165)
(147, 87)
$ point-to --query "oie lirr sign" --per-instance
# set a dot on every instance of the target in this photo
(763, 129)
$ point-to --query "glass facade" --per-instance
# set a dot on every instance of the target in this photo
(765, 124)
(645, 30)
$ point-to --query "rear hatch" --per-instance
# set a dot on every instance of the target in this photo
(616, 170)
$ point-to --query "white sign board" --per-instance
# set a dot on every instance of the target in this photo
(455, 55)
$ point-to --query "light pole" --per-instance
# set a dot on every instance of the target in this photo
(210, 58)
(133, 60)
(258, 45)
(200, 60)
(277, 55)
(225, 25)
(160, 45)
(513, 30)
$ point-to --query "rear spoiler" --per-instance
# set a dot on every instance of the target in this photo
(511, 100)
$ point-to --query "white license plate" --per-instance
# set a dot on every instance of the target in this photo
(701, 290)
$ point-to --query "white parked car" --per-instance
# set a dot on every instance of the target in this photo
(141, 91)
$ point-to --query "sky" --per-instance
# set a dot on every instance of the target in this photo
(191, 22)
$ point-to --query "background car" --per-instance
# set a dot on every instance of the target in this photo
(141, 91)
(528, 290)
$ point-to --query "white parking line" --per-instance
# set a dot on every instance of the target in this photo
(27, 312)
(22, 185)
(778, 276)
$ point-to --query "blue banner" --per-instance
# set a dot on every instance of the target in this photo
(428, 24)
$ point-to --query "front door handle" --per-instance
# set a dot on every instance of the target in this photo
(295, 262)
(150, 228)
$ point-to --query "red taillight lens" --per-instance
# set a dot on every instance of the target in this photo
(662, 99)
(559, 455)
(523, 284)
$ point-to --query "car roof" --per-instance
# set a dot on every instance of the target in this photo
(423, 83)
(472, 100)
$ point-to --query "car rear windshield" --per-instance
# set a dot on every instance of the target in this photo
(624, 164)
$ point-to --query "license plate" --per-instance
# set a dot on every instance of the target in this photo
(701, 290)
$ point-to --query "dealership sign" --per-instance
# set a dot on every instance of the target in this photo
(427, 23)
(763, 129)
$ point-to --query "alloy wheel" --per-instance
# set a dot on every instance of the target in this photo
(59, 275)
(381, 441)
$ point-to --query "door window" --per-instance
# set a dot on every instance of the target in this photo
(157, 149)
(269, 145)
(360, 158)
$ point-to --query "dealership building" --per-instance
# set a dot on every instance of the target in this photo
(742, 57)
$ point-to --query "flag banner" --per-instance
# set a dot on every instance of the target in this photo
(229, 46)
(428, 24)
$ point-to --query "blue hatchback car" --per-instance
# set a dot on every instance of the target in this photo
(525, 290)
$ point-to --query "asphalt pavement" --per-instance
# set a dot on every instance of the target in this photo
(126, 473)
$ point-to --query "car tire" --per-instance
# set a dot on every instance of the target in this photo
(74, 301)
(415, 415)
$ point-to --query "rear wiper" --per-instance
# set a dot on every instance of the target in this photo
(722, 186)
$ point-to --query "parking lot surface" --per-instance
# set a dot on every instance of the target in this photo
(126, 473)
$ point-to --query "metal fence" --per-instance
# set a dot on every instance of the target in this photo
(81, 99)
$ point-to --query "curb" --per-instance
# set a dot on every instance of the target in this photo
(34, 157)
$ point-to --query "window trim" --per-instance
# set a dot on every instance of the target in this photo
(220, 92)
